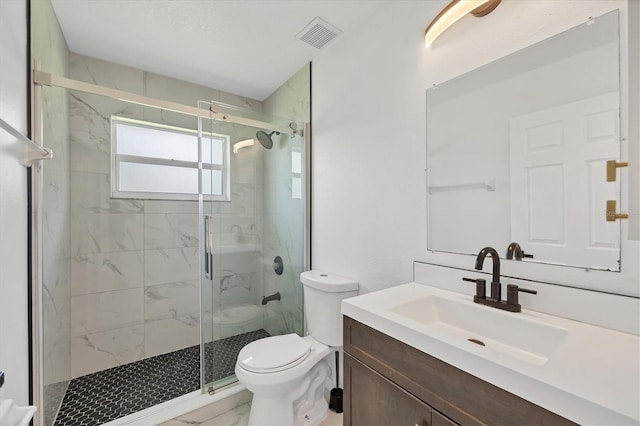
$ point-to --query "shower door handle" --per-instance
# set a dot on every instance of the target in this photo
(208, 248)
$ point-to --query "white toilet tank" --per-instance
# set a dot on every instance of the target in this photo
(323, 294)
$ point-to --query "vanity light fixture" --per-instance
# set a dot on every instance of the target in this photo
(243, 144)
(454, 11)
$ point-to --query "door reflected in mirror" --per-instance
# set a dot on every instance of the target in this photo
(517, 152)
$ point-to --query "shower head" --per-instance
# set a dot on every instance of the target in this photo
(265, 139)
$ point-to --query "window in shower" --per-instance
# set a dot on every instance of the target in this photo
(155, 161)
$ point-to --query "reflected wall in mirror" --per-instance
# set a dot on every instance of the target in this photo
(517, 149)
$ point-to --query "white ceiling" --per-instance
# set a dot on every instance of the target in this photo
(245, 47)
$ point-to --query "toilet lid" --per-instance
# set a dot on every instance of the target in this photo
(274, 353)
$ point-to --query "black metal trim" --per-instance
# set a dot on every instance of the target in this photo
(30, 325)
(309, 172)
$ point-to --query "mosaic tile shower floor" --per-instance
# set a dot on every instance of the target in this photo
(104, 396)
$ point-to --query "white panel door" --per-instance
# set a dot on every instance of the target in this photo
(558, 183)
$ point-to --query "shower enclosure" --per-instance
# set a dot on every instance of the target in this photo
(170, 237)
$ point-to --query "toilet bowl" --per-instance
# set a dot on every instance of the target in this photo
(278, 370)
(287, 373)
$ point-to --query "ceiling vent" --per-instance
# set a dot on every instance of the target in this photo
(318, 33)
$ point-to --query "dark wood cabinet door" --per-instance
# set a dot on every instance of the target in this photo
(375, 401)
(438, 419)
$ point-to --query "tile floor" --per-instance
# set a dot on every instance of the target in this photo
(238, 416)
(116, 392)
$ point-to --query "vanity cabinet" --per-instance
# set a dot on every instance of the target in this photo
(387, 382)
(377, 401)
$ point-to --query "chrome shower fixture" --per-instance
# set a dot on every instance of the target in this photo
(294, 126)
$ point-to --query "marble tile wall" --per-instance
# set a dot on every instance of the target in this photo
(135, 266)
(284, 214)
(50, 50)
(107, 235)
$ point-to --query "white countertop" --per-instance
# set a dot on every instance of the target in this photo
(592, 377)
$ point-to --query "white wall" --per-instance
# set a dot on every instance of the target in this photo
(14, 355)
(369, 150)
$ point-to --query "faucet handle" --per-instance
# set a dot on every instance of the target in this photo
(481, 287)
(512, 294)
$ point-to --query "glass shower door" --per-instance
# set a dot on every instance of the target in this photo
(253, 244)
(231, 275)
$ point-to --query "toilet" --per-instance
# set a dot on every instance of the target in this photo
(287, 373)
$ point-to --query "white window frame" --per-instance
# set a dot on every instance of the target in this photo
(117, 158)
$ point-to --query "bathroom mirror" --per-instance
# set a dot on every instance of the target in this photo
(517, 151)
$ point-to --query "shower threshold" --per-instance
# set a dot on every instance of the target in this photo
(107, 395)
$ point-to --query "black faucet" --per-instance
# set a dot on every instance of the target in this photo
(275, 296)
(495, 279)
(514, 251)
(511, 304)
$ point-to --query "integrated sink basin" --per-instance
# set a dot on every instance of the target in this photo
(586, 373)
(480, 328)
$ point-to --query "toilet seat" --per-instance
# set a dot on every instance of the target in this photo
(273, 354)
